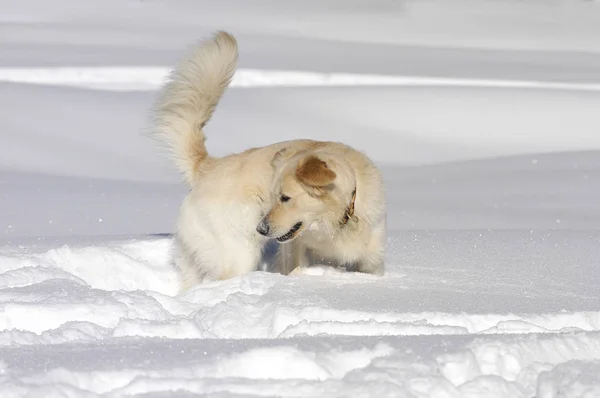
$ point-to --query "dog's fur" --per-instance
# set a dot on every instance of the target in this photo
(216, 235)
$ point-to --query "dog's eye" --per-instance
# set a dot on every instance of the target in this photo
(284, 198)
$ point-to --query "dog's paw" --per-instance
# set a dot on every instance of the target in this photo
(297, 271)
(316, 270)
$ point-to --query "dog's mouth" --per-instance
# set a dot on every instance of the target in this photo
(290, 234)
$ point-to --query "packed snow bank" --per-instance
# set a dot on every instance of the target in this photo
(132, 289)
(108, 306)
(387, 366)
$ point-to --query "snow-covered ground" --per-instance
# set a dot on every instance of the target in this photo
(482, 114)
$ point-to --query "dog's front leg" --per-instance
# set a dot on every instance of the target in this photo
(372, 260)
(291, 256)
(371, 265)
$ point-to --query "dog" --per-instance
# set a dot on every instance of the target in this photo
(228, 216)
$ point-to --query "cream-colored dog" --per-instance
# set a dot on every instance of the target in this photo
(326, 195)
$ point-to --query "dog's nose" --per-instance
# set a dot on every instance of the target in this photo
(263, 228)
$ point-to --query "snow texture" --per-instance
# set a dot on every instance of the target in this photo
(482, 115)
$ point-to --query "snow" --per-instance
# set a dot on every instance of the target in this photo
(482, 115)
(151, 78)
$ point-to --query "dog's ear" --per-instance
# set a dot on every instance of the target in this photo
(315, 172)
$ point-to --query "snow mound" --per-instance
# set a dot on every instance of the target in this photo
(95, 298)
(144, 78)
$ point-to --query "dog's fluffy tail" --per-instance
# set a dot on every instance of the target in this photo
(188, 99)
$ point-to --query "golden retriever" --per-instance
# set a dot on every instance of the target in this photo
(325, 200)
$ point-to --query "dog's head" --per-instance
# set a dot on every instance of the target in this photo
(308, 188)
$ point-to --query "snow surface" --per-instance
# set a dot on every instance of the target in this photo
(483, 116)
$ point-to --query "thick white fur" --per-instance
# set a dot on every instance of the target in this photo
(216, 235)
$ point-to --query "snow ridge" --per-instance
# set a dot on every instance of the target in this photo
(144, 78)
(103, 294)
